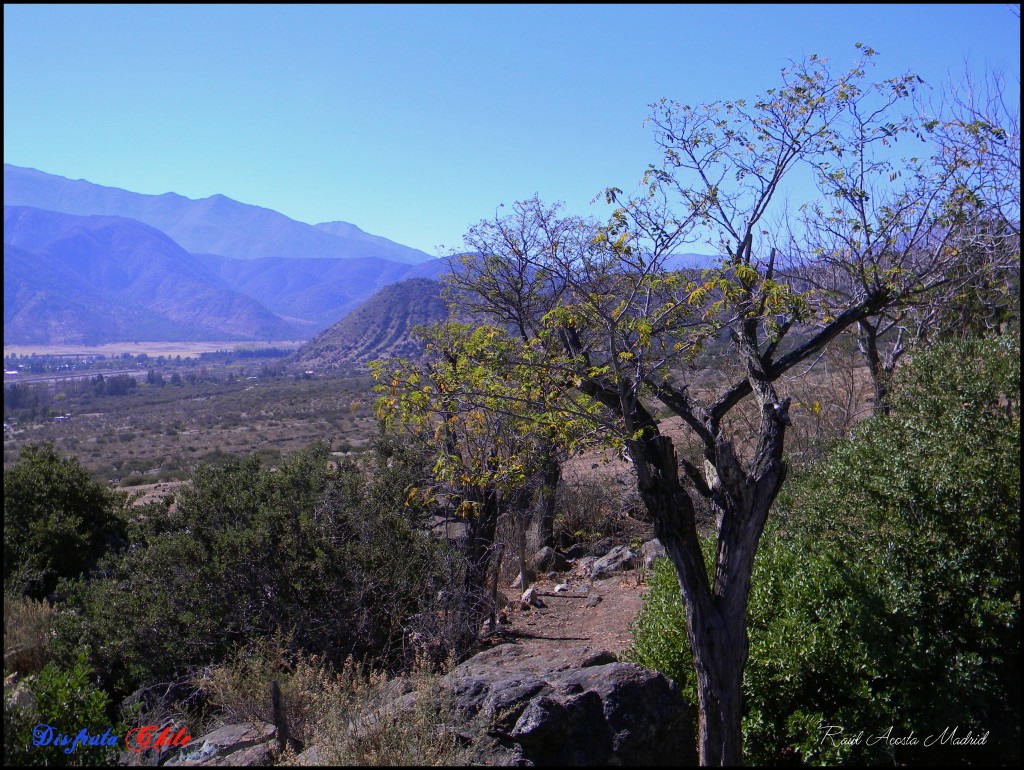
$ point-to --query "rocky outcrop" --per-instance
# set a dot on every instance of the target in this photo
(576, 706)
(235, 745)
(547, 559)
(650, 551)
(579, 707)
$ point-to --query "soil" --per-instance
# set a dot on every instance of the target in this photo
(570, 619)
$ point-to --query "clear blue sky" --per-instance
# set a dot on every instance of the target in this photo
(414, 122)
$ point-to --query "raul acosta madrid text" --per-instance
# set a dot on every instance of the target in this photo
(948, 737)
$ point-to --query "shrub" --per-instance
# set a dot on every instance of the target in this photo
(324, 554)
(588, 511)
(57, 521)
(69, 702)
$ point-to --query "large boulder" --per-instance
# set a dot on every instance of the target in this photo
(547, 559)
(650, 551)
(577, 707)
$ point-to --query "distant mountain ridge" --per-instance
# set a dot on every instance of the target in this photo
(214, 225)
(317, 290)
(253, 273)
(84, 263)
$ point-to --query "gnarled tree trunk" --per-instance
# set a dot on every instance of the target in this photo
(716, 611)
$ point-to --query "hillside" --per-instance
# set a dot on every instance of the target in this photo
(378, 328)
(74, 279)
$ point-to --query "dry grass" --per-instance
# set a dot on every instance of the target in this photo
(415, 730)
(28, 628)
(355, 716)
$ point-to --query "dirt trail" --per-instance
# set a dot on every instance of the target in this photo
(572, 618)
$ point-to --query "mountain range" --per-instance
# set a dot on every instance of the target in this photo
(214, 225)
(89, 264)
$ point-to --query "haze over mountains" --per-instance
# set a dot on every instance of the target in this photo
(90, 264)
(214, 225)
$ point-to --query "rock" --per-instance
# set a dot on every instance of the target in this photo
(237, 744)
(582, 566)
(617, 559)
(17, 696)
(602, 547)
(561, 587)
(578, 706)
(576, 551)
(311, 757)
(571, 731)
(593, 601)
(448, 529)
(530, 599)
(547, 559)
(651, 550)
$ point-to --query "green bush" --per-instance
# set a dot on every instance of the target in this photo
(659, 630)
(885, 592)
(57, 521)
(326, 555)
(67, 701)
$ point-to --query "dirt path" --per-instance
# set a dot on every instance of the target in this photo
(588, 614)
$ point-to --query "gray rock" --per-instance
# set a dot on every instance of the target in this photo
(567, 731)
(238, 744)
(602, 547)
(651, 550)
(547, 559)
(576, 551)
(576, 707)
(618, 559)
(583, 565)
(448, 529)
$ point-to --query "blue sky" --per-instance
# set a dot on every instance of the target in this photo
(416, 121)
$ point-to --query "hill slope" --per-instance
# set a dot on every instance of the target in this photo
(378, 328)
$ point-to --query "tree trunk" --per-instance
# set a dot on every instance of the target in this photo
(867, 341)
(542, 525)
(716, 613)
(479, 551)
